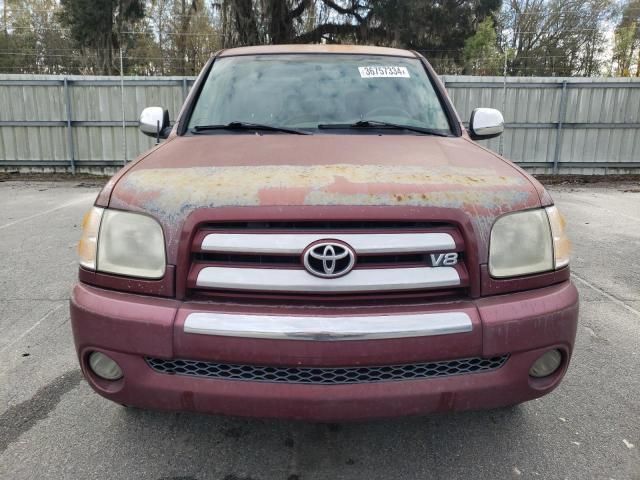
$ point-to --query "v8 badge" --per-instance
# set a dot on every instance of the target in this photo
(444, 259)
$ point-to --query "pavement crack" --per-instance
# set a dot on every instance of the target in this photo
(594, 336)
(20, 418)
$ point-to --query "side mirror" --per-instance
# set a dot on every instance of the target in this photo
(154, 122)
(486, 123)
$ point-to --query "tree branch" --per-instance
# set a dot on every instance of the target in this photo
(320, 31)
(346, 11)
(338, 29)
(299, 9)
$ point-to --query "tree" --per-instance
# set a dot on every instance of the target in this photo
(100, 25)
(481, 53)
(542, 37)
(437, 27)
(33, 41)
(177, 36)
(549, 37)
(194, 36)
(159, 17)
(627, 40)
(441, 27)
(250, 22)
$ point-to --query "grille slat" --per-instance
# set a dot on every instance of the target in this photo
(275, 260)
(326, 375)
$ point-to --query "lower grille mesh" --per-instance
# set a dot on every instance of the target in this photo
(326, 375)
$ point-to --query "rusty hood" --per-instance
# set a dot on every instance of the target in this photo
(187, 173)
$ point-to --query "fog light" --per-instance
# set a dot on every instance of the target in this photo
(546, 364)
(104, 367)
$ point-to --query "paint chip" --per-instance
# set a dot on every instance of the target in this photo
(576, 443)
(628, 443)
(516, 471)
(562, 419)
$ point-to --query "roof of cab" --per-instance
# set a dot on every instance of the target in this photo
(339, 49)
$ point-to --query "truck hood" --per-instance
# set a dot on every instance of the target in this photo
(188, 173)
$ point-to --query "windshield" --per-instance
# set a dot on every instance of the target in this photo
(305, 91)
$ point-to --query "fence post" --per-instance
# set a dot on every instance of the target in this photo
(124, 118)
(184, 88)
(70, 147)
(504, 101)
(561, 118)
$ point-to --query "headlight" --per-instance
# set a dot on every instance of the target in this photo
(520, 244)
(127, 244)
(524, 243)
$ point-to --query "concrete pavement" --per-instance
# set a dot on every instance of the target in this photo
(53, 426)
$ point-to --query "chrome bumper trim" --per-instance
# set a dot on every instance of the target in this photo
(294, 244)
(293, 280)
(328, 328)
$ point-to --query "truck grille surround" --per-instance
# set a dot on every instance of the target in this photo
(326, 375)
(269, 258)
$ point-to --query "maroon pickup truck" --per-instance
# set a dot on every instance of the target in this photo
(320, 238)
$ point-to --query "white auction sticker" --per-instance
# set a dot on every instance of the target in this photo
(384, 72)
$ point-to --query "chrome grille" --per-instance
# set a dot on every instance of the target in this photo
(268, 257)
(327, 375)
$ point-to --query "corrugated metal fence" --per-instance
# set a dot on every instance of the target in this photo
(565, 125)
(562, 125)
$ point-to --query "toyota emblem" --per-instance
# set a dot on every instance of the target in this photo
(329, 259)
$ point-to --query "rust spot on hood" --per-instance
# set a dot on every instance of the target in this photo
(166, 192)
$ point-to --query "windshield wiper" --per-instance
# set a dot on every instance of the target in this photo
(379, 124)
(248, 126)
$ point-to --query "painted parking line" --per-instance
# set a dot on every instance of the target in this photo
(32, 327)
(84, 198)
(607, 295)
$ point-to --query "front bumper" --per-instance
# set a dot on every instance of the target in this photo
(130, 327)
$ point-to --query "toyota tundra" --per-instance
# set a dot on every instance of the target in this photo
(320, 237)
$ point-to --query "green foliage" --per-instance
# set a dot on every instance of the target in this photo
(100, 25)
(626, 50)
(32, 41)
(481, 53)
(443, 25)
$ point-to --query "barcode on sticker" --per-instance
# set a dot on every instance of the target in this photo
(384, 72)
